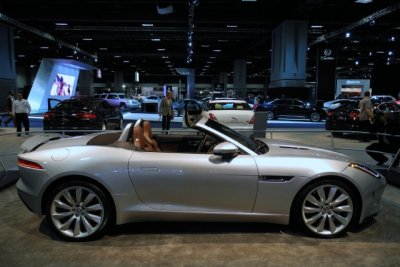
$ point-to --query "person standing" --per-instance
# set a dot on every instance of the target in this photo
(366, 116)
(21, 110)
(9, 105)
(166, 112)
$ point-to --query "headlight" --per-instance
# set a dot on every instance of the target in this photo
(365, 169)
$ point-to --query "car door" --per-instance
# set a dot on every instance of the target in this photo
(296, 108)
(194, 182)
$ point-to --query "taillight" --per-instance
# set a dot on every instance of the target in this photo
(29, 164)
(86, 116)
(353, 115)
(49, 115)
(251, 120)
(330, 113)
(212, 117)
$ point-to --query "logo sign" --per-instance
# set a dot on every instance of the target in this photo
(327, 55)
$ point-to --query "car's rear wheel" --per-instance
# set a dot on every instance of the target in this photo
(271, 115)
(78, 211)
(122, 105)
(326, 208)
(314, 117)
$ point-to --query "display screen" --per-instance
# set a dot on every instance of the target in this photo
(63, 85)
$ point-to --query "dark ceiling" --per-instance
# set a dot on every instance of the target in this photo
(113, 31)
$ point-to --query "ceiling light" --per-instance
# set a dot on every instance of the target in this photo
(156, 39)
(21, 55)
(205, 45)
(209, 62)
(217, 50)
(44, 47)
(103, 48)
(61, 24)
(126, 61)
(164, 57)
(212, 57)
(231, 26)
(363, 1)
(147, 24)
(317, 26)
(390, 53)
(161, 49)
(117, 56)
(249, 0)
(348, 35)
(87, 39)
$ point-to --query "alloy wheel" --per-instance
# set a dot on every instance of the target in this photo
(77, 212)
(327, 210)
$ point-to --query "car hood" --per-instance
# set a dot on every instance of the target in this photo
(285, 148)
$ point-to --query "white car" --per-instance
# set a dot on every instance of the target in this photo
(119, 100)
(234, 113)
(151, 99)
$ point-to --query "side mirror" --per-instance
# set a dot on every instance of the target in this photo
(225, 149)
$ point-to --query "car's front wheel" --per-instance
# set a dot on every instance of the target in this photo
(78, 211)
(315, 117)
(326, 208)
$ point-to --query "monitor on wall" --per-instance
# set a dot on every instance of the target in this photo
(63, 85)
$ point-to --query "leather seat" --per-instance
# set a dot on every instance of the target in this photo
(148, 135)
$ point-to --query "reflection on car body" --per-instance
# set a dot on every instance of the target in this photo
(85, 184)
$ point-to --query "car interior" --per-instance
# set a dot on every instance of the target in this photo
(139, 136)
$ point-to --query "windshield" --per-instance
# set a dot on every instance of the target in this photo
(256, 145)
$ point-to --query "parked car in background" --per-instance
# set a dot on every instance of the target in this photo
(343, 118)
(377, 99)
(337, 103)
(180, 105)
(294, 108)
(235, 113)
(84, 185)
(151, 99)
(119, 100)
(82, 113)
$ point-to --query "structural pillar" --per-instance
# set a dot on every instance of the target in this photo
(239, 77)
(289, 58)
(326, 72)
(190, 82)
(118, 81)
(7, 63)
(86, 83)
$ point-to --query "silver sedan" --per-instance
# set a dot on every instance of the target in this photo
(84, 185)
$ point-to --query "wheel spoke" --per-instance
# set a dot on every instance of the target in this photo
(67, 195)
(67, 224)
(58, 203)
(88, 227)
(62, 215)
(311, 210)
(340, 199)
(332, 226)
(313, 219)
(88, 198)
(314, 201)
(321, 225)
(78, 194)
(96, 207)
(94, 218)
(340, 218)
(345, 208)
(332, 193)
(77, 228)
(321, 194)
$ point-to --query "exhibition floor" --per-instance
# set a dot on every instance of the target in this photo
(25, 239)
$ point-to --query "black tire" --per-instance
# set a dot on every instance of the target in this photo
(271, 115)
(315, 117)
(122, 105)
(320, 214)
(78, 211)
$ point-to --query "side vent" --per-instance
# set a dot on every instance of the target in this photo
(275, 179)
(294, 147)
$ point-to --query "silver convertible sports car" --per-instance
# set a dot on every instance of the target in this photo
(85, 184)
